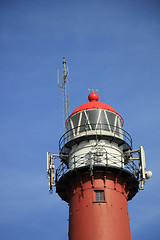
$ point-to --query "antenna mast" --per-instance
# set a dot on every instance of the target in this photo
(65, 92)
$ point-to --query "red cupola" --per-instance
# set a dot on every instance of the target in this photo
(93, 103)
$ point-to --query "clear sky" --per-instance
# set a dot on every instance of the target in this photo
(113, 45)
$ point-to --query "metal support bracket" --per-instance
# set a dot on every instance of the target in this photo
(140, 157)
(50, 169)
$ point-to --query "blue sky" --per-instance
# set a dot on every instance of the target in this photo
(112, 45)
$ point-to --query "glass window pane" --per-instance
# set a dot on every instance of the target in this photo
(93, 115)
(99, 196)
(83, 123)
(111, 118)
(75, 120)
(70, 131)
(117, 127)
(103, 122)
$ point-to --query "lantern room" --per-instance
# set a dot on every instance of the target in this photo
(94, 116)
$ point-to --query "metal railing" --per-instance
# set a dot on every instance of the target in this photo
(108, 160)
(96, 129)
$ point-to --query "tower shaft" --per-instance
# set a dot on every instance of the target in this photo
(98, 206)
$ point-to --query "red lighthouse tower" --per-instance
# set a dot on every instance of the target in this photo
(99, 173)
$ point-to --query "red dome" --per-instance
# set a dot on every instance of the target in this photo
(93, 103)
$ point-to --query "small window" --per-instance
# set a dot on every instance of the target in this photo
(99, 196)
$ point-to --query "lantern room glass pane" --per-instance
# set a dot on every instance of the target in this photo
(103, 121)
(93, 115)
(111, 119)
(83, 123)
(75, 120)
(117, 131)
(70, 131)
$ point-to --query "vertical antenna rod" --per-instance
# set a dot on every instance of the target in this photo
(65, 92)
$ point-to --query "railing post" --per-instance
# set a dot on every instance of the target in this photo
(91, 164)
(74, 162)
(56, 176)
(121, 162)
(106, 158)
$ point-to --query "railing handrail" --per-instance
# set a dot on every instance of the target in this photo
(63, 169)
(70, 133)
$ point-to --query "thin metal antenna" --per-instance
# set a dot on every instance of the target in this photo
(65, 92)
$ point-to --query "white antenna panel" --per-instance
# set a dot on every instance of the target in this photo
(143, 164)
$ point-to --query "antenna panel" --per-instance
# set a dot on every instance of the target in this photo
(142, 161)
(50, 170)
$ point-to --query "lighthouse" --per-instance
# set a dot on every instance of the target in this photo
(99, 172)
